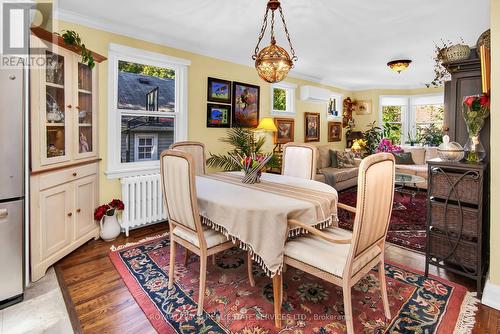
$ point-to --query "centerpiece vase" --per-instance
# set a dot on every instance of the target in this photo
(474, 150)
(474, 116)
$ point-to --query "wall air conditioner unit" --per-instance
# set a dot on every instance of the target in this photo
(315, 94)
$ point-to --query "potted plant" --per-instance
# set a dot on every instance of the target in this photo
(372, 136)
(444, 53)
(106, 215)
(412, 140)
(431, 135)
(387, 146)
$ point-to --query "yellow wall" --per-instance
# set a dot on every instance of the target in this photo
(362, 121)
(495, 145)
(201, 67)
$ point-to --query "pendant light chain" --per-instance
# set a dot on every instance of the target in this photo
(292, 50)
(261, 35)
(273, 39)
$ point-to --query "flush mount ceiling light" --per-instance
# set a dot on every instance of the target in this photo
(273, 62)
(399, 65)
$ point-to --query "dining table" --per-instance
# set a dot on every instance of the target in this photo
(255, 216)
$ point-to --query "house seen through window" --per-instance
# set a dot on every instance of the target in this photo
(145, 94)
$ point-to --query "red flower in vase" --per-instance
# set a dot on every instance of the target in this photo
(101, 211)
(469, 100)
(484, 100)
(117, 204)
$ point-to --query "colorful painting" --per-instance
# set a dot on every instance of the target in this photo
(218, 90)
(334, 131)
(312, 126)
(285, 133)
(245, 105)
(218, 115)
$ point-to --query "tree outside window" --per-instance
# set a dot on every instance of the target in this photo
(279, 99)
(392, 124)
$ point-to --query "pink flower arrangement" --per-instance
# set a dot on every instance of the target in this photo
(108, 209)
(385, 145)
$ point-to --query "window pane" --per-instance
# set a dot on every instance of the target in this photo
(391, 118)
(145, 87)
(391, 114)
(279, 99)
(157, 131)
(430, 113)
(392, 131)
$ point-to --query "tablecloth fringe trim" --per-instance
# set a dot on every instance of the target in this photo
(242, 245)
(320, 226)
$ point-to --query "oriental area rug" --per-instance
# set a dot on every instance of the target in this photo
(408, 219)
(310, 305)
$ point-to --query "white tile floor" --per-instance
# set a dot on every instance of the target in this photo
(42, 311)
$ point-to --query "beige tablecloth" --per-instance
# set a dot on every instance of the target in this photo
(256, 215)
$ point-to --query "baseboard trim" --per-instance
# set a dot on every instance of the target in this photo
(491, 295)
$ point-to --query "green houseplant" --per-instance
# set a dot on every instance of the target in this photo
(243, 144)
(430, 135)
(71, 37)
(373, 136)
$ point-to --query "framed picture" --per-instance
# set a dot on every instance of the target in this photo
(285, 133)
(218, 90)
(312, 126)
(363, 107)
(334, 131)
(218, 115)
(246, 100)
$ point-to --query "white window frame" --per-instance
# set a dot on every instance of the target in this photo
(290, 99)
(115, 168)
(409, 110)
(154, 153)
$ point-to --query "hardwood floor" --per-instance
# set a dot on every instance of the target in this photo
(101, 303)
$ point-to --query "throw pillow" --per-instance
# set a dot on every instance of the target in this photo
(333, 159)
(403, 158)
(345, 159)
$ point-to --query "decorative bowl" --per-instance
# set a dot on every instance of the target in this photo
(457, 52)
(450, 151)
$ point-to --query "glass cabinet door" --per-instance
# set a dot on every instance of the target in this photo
(85, 110)
(55, 117)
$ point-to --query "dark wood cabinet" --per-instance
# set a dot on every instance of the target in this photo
(465, 81)
(457, 219)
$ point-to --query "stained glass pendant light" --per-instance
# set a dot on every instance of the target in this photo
(273, 62)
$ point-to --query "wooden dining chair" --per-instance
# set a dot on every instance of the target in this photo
(339, 256)
(197, 150)
(179, 193)
(299, 160)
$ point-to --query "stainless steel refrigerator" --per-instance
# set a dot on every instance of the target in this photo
(12, 169)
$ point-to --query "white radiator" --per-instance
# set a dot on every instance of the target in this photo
(143, 199)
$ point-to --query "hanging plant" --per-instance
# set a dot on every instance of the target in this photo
(73, 38)
(446, 52)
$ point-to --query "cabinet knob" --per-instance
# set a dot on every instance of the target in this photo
(78, 210)
(74, 174)
(70, 214)
(69, 106)
(77, 107)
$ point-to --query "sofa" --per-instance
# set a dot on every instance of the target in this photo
(339, 178)
(420, 156)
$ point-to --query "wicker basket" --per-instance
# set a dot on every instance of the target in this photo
(441, 248)
(457, 52)
(467, 189)
(449, 220)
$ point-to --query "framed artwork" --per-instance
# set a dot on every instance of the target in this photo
(218, 115)
(363, 107)
(246, 99)
(219, 90)
(334, 131)
(312, 126)
(285, 133)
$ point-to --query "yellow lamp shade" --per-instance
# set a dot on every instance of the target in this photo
(267, 124)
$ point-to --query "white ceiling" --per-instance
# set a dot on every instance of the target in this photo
(345, 43)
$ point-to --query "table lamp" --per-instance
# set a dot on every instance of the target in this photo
(266, 124)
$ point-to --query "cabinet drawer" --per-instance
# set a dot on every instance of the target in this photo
(452, 250)
(66, 175)
(466, 190)
(449, 218)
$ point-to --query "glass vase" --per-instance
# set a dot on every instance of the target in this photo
(474, 150)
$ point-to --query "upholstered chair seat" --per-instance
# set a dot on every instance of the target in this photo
(327, 256)
(212, 237)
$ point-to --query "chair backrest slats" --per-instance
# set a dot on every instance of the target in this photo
(197, 150)
(299, 160)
